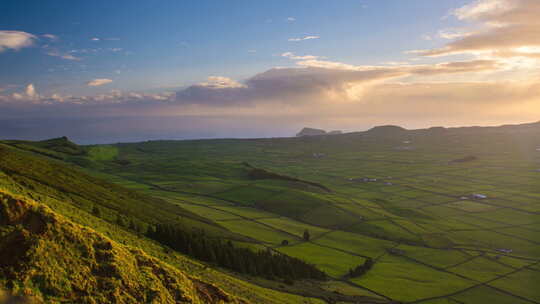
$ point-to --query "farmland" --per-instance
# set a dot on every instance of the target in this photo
(438, 230)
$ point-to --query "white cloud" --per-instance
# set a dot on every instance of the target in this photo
(15, 40)
(31, 91)
(303, 38)
(291, 19)
(454, 33)
(292, 56)
(220, 82)
(66, 56)
(95, 39)
(500, 27)
(50, 37)
(480, 9)
(99, 82)
(395, 62)
(29, 94)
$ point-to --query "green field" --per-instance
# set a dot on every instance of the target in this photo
(416, 215)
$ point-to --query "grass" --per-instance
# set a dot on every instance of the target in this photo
(366, 246)
(434, 257)
(335, 263)
(481, 269)
(401, 279)
(293, 227)
(72, 209)
(102, 153)
(484, 294)
(257, 231)
(524, 283)
(66, 258)
(421, 210)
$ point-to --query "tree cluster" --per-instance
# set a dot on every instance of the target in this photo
(361, 269)
(264, 263)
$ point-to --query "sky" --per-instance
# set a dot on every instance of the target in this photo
(117, 71)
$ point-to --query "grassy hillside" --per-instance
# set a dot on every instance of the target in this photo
(444, 214)
(75, 195)
(46, 177)
(396, 196)
(51, 259)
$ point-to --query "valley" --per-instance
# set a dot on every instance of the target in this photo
(436, 229)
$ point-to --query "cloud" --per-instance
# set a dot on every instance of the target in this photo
(483, 89)
(292, 56)
(291, 19)
(454, 67)
(31, 91)
(303, 38)
(506, 26)
(15, 40)
(440, 68)
(114, 97)
(98, 82)
(454, 33)
(220, 82)
(66, 56)
(29, 94)
(315, 80)
(50, 37)
(462, 101)
(105, 39)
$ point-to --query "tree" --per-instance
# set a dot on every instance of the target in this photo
(307, 236)
(120, 221)
(284, 243)
(151, 231)
(96, 211)
(265, 263)
(132, 225)
(361, 269)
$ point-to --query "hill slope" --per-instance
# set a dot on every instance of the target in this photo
(123, 217)
(53, 259)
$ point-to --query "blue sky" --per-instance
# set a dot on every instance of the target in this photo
(345, 64)
(152, 44)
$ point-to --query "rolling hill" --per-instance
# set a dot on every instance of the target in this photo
(443, 215)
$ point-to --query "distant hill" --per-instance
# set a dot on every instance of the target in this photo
(310, 132)
(61, 144)
(386, 130)
(335, 132)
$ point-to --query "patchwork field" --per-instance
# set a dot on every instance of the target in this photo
(438, 230)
